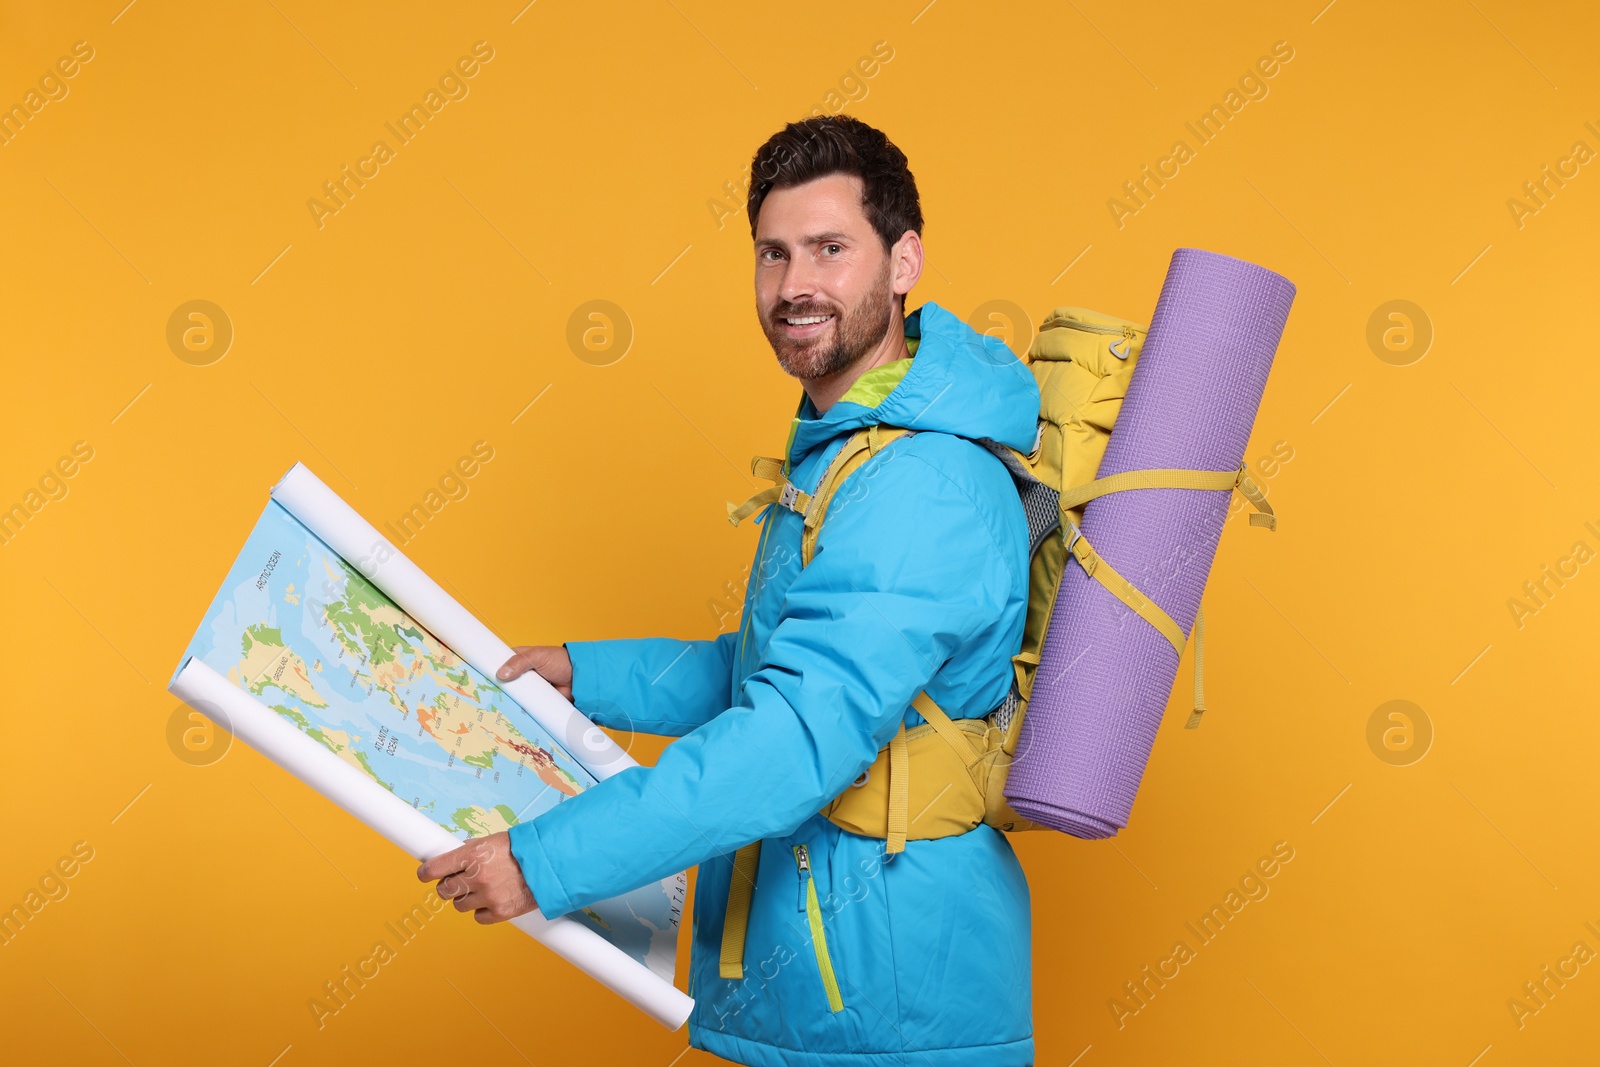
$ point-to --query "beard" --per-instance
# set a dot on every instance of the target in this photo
(852, 333)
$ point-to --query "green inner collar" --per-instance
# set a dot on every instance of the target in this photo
(871, 388)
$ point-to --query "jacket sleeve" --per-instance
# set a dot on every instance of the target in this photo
(885, 601)
(653, 685)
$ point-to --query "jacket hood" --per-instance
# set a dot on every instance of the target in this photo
(957, 381)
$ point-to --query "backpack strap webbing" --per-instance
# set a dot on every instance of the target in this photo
(857, 450)
(946, 728)
(785, 492)
(737, 921)
(899, 791)
(1199, 669)
(1095, 566)
(899, 820)
(1176, 478)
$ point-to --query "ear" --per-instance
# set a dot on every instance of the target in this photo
(905, 262)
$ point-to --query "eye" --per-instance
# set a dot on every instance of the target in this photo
(833, 244)
(769, 252)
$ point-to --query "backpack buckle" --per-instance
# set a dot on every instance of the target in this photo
(1086, 556)
(790, 494)
(1070, 539)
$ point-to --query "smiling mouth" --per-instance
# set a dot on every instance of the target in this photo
(804, 325)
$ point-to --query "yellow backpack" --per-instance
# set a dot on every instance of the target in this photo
(1083, 361)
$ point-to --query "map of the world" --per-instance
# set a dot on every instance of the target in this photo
(311, 638)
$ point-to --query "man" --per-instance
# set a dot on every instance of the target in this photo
(919, 581)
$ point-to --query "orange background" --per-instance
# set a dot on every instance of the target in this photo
(583, 164)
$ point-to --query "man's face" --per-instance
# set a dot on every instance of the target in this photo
(818, 260)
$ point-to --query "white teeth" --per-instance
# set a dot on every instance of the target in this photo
(808, 320)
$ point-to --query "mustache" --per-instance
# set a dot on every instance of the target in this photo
(801, 312)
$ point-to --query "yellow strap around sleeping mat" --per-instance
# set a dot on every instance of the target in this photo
(737, 920)
(1155, 478)
(1263, 515)
(1176, 478)
(1096, 567)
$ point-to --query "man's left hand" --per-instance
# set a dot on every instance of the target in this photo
(483, 877)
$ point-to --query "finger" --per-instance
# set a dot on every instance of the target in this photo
(465, 895)
(500, 909)
(446, 863)
(521, 662)
(473, 870)
(443, 865)
(479, 853)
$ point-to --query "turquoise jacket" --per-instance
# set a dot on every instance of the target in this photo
(919, 580)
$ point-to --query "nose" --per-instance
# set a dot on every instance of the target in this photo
(799, 281)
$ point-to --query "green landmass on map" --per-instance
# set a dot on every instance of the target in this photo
(361, 618)
(262, 632)
(480, 822)
(389, 652)
(338, 742)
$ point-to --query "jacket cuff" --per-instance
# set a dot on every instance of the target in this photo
(546, 887)
(587, 683)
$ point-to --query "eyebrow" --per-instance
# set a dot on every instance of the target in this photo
(809, 239)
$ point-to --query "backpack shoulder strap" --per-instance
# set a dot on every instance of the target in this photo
(857, 450)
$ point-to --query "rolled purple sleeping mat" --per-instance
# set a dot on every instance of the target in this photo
(1105, 674)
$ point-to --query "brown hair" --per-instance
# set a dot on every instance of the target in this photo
(840, 144)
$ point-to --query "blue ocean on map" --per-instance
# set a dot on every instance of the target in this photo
(311, 638)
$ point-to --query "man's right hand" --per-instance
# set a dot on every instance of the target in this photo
(549, 662)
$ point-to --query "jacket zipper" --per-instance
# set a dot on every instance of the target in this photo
(819, 940)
